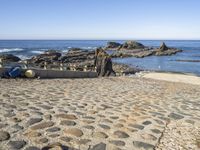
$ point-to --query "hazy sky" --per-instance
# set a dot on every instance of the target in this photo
(99, 19)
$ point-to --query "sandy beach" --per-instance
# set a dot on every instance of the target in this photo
(117, 113)
(173, 77)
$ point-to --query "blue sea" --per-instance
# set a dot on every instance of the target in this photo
(191, 51)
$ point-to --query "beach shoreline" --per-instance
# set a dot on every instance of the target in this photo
(175, 77)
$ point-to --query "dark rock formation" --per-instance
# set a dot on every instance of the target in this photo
(144, 53)
(103, 63)
(166, 51)
(134, 49)
(129, 53)
(9, 58)
(74, 49)
(163, 47)
(120, 55)
(49, 57)
(129, 45)
(77, 55)
(122, 69)
(113, 45)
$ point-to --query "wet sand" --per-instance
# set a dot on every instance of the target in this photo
(121, 113)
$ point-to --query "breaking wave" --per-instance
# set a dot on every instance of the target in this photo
(4, 50)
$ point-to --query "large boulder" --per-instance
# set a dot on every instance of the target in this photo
(48, 56)
(163, 47)
(113, 45)
(122, 69)
(77, 55)
(129, 45)
(103, 63)
(9, 58)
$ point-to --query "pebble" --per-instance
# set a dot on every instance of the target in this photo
(42, 125)
(104, 126)
(67, 123)
(4, 136)
(120, 134)
(46, 107)
(88, 121)
(66, 139)
(54, 129)
(67, 116)
(74, 132)
(89, 127)
(147, 123)
(16, 145)
(33, 121)
(175, 116)
(54, 135)
(100, 135)
(156, 131)
(118, 143)
(143, 145)
(140, 127)
(100, 146)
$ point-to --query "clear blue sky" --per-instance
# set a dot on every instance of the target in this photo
(99, 19)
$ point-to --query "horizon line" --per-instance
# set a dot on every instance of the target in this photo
(109, 39)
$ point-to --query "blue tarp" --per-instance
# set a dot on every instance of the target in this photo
(14, 72)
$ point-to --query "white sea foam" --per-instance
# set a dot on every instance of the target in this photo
(10, 50)
(65, 50)
(89, 48)
(37, 52)
(22, 57)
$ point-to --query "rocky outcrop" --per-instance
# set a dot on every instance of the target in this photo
(122, 69)
(74, 49)
(103, 63)
(166, 51)
(77, 55)
(120, 55)
(130, 53)
(113, 45)
(141, 51)
(9, 58)
(131, 45)
(128, 45)
(48, 56)
(163, 47)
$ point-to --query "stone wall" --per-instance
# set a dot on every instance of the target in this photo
(58, 74)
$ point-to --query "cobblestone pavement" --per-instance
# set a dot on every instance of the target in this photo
(122, 113)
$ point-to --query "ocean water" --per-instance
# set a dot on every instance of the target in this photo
(191, 51)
